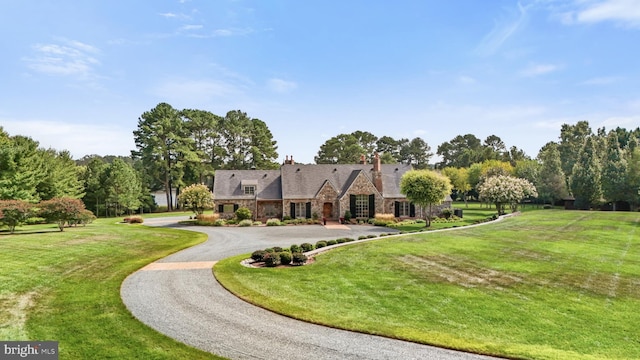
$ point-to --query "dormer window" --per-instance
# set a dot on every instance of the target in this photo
(249, 187)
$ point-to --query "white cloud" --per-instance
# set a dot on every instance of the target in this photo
(191, 27)
(188, 92)
(626, 12)
(628, 122)
(463, 79)
(601, 80)
(503, 29)
(281, 86)
(539, 69)
(69, 58)
(78, 139)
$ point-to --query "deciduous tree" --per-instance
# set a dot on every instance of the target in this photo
(15, 213)
(196, 198)
(425, 188)
(62, 211)
(503, 189)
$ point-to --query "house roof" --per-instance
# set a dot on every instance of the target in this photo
(300, 181)
(228, 184)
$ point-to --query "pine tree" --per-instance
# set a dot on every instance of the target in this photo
(614, 172)
(586, 176)
(551, 182)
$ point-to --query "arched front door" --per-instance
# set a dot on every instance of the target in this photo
(327, 210)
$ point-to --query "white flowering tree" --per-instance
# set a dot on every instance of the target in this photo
(196, 198)
(502, 190)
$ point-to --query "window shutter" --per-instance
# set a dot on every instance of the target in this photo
(220, 208)
(292, 210)
(412, 210)
(308, 210)
(352, 205)
(372, 205)
(235, 207)
(396, 208)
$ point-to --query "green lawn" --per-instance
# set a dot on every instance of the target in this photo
(65, 286)
(547, 284)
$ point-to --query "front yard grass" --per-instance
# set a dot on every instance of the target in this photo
(547, 284)
(65, 286)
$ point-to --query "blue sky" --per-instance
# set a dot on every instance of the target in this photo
(76, 75)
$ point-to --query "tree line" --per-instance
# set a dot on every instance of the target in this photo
(176, 148)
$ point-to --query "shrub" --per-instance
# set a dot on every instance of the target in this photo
(314, 216)
(273, 222)
(196, 197)
(231, 221)
(219, 222)
(243, 213)
(385, 217)
(298, 258)
(295, 248)
(306, 247)
(347, 215)
(245, 222)
(285, 258)
(269, 250)
(349, 239)
(257, 223)
(258, 255)
(286, 217)
(362, 237)
(321, 244)
(207, 218)
(446, 213)
(61, 210)
(85, 217)
(277, 249)
(271, 259)
(421, 221)
(341, 240)
(371, 236)
(14, 213)
(331, 242)
(134, 219)
(547, 206)
(35, 220)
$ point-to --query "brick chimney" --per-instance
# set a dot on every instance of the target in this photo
(363, 159)
(377, 173)
(288, 161)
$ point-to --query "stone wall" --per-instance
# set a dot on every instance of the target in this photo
(361, 186)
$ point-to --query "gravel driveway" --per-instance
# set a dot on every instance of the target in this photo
(178, 296)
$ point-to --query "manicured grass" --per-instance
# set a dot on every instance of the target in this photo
(65, 286)
(548, 284)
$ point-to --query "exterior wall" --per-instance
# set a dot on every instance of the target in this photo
(262, 207)
(326, 195)
(361, 186)
(250, 204)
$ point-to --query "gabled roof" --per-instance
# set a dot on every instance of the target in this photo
(301, 181)
(228, 184)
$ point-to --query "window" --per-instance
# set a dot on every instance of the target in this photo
(270, 210)
(301, 210)
(227, 208)
(250, 190)
(404, 208)
(362, 206)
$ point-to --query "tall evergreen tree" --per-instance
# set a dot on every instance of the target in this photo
(416, 153)
(551, 182)
(21, 168)
(572, 138)
(340, 149)
(614, 172)
(586, 176)
(164, 147)
(123, 188)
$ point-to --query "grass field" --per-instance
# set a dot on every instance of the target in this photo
(65, 286)
(548, 284)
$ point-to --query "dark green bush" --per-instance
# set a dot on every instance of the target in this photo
(349, 239)
(295, 248)
(341, 240)
(298, 258)
(321, 244)
(243, 213)
(269, 250)
(285, 258)
(347, 216)
(258, 255)
(446, 213)
(362, 237)
(271, 259)
(306, 247)
(277, 249)
(331, 242)
(371, 236)
(286, 217)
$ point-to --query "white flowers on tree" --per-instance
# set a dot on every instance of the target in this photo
(196, 198)
(503, 189)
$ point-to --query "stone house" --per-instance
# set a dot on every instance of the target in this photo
(316, 190)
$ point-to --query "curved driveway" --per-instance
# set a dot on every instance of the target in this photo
(179, 297)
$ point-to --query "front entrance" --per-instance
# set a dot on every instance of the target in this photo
(327, 210)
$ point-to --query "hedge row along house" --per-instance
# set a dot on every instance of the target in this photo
(317, 190)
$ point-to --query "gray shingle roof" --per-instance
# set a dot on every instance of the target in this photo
(301, 181)
(227, 184)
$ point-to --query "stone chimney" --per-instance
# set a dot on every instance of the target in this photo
(363, 159)
(288, 161)
(377, 173)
